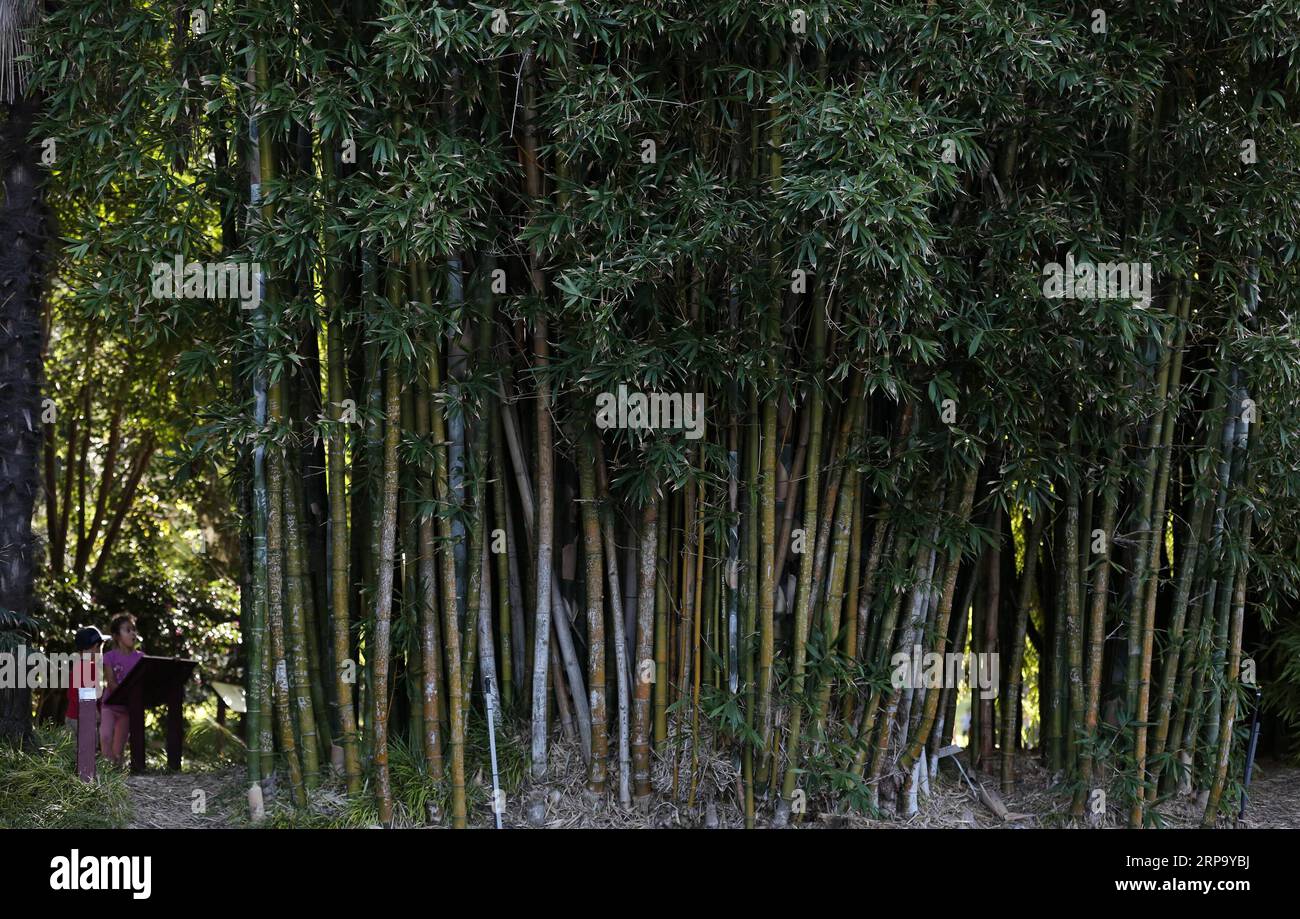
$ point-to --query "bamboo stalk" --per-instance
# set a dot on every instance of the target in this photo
(478, 534)
(1074, 627)
(301, 651)
(1166, 435)
(645, 660)
(384, 580)
(1146, 546)
(275, 606)
(621, 663)
(1233, 675)
(803, 597)
(340, 580)
(427, 576)
(1015, 658)
(450, 628)
(505, 605)
(953, 565)
(593, 568)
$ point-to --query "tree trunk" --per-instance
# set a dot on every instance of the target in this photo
(22, 268)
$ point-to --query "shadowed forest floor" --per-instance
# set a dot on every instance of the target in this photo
(1274, 802)
(168, 800)
(163, 800)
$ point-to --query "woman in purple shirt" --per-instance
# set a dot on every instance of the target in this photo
(114, 724)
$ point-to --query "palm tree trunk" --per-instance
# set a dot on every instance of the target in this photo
(23, 227)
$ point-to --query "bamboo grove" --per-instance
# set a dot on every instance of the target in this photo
(832, 221)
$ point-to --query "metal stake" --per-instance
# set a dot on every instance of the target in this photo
(491, 695)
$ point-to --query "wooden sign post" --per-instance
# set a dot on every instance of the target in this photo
(87, 733)
(152, 682)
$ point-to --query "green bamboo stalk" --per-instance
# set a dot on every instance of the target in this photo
(427, 575)
(1192, 635)
(408, 560)
(1196, 700)
(1096, 638)
(275, 487)
(284, 696)
(1233, 675)
(477, 535)
(932, 698)
(545, 457)
(1146, 540)
(1222, 630)
(499, 486)
(663, 553)
(340, 580)
(1074, 626)
(622, 666)
(255, 632)
(706, 603)
(1056, 662)
(1136, 812)
(984, 728)
(803, 594)
(645, 661)
(259, 705)
(924, 556)
(749, 602)
(1190, 565)
(300, 649)
(768, 547)
(831, 609)
(384, 573)
(593, 562)
(865, 740)
(450, 628)
(691, 550)
(1016, 654)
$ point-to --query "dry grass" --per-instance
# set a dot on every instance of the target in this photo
(184, 800)
(164, 800)
(569, 804)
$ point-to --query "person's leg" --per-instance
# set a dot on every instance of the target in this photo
(113, 729)
(121, 731)
(106, 722)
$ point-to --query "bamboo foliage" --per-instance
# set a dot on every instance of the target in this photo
(673, 374)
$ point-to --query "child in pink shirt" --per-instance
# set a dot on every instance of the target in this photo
(118, 661)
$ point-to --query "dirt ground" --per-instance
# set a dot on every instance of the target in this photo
(203, 799)
(183, 800)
